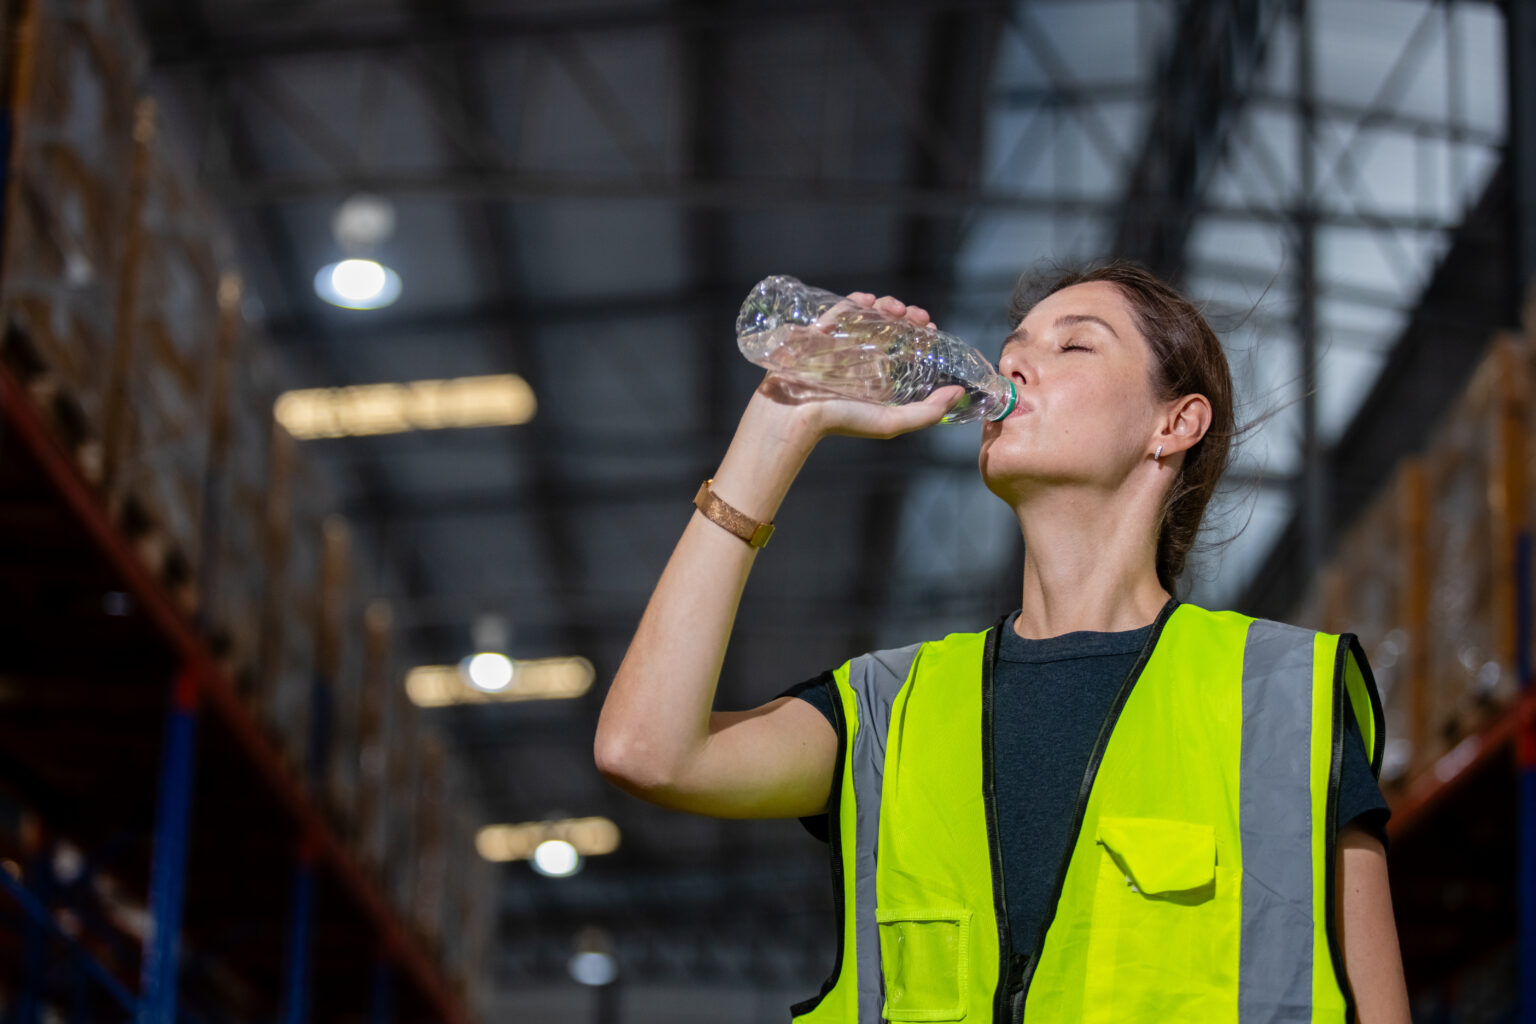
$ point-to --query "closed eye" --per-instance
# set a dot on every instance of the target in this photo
(1075, 348)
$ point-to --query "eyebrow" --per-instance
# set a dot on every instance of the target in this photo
(1084, 318)
(1069, 320)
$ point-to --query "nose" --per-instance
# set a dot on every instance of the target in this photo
(1014, 365)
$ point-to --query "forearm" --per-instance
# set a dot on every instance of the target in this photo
(656, 714)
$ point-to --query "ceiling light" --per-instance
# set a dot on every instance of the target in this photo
(362, 410)
(593, 968)
(593, 963)
(590, 837)
(489, 672)
(363, 222)
(436, 686)
(357, 284)
(556, 858)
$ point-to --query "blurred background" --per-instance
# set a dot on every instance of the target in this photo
(361, 357)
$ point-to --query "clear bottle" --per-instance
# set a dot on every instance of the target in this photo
(822, 339)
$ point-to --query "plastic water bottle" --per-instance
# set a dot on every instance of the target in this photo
(825, 340)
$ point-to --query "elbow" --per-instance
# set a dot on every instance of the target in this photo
(628, 765)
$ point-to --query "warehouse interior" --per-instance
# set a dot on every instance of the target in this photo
(251, 767)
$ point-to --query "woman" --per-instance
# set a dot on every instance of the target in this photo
(1110, 806)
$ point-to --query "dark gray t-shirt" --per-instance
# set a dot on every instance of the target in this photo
(1050, 698)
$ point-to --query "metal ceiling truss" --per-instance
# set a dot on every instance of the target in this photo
(1469, 294)
(176, 47)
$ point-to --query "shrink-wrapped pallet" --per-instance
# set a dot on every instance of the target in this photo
(165, 367)
(241, 470)
(484, 887)
(402, 769)
(77, 70)
(471, 905)
(335, 714)
(291, 613)
(432, 822)
(1474, 471)
(454, 912)
(1376, 589)
(373, 713)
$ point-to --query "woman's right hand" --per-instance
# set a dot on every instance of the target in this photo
(819, 412)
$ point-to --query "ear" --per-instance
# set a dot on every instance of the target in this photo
(1184, 424)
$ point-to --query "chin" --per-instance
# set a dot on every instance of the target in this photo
(1011, 471)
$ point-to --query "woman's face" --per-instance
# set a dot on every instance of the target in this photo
(1086, 411)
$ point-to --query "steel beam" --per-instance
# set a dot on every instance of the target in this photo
(1312, 493)
(175, 47)
(1466, 299)
(298, 968)
(514, 186)
(173, 815)
(1206, 73)
(1520, 35)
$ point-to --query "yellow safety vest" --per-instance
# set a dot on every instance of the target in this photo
(1200, 877)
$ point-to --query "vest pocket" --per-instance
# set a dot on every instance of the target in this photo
(1157, 942)
(925, 958)
(1162, 858)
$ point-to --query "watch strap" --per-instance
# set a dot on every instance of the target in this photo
(724, 515)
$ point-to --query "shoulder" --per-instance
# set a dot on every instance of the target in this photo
(890, 667)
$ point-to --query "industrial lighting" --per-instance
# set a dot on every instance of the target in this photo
(593, 968)
(556, 858)
(588, 837)
(593, 963)
(436, 686)
(489, 672)
(366, 409)
(357, 284)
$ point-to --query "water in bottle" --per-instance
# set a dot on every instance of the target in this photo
(819, 338)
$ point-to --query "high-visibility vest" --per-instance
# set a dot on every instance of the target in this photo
(1199, 883)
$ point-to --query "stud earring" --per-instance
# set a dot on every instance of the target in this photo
(1158, 455)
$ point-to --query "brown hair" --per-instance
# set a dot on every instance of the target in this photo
(1187, 359)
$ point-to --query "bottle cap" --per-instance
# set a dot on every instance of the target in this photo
(1013, 400)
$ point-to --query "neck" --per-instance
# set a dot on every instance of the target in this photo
(1088, 564)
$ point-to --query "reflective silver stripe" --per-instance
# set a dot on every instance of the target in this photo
(875, 679)
(1275, 980)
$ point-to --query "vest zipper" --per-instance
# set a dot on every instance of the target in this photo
(1016, 1010)
(1006, 975)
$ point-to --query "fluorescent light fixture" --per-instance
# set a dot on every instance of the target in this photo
(365, 409)
(436, 686)
(589, 837)
(357, 284)
(489, 672)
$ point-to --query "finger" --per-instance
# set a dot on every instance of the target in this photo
(944, 397)
(918, 315)
(929, 411)
(918, 415)
(891, 305)
(862, 298)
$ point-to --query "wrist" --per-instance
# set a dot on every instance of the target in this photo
(794, 426)
(771, 443)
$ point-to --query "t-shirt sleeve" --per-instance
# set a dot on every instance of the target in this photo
(817, 693)
(1360, 800)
